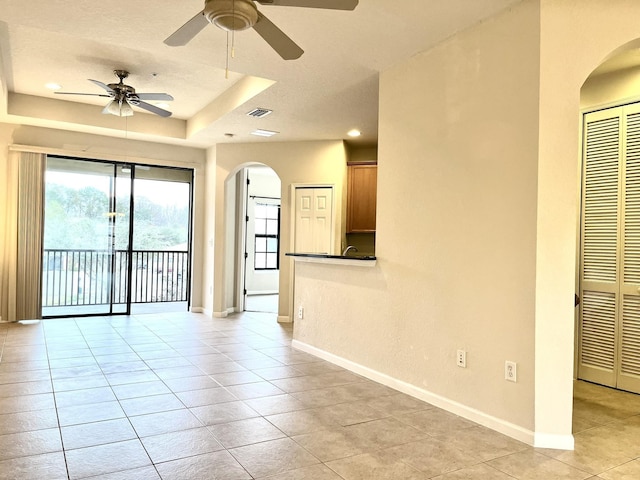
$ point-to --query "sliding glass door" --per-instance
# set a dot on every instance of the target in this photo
(115, 235)
(160, 275)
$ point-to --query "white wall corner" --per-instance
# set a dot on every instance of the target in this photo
(554, 441)
(514, 431)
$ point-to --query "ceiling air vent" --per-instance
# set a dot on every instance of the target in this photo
(259, 112)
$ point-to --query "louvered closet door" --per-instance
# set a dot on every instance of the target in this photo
(629, 334)
(610, 281)
(598, 352)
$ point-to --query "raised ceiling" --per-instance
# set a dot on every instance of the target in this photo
(330, 90)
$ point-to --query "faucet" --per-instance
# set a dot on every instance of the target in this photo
(346, 250)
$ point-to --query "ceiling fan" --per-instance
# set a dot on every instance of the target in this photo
(124, 96)
(235, 15)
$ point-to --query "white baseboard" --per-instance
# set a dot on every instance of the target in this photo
(197, 310)
(564, 442)
(224, 314)
(284, 319)
(554, 441)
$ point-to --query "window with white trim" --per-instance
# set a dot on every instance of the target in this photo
(267, 236)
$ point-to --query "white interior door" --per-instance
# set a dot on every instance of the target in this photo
(609, 351)
(314, 220)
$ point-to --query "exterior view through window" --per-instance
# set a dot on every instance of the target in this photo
(116, 238)
(267, 242)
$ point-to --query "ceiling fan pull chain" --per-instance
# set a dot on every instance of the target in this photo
(233, 44)
(226, 69)
(233, 32)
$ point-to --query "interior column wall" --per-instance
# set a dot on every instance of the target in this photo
(456, 231)
(6, 290)
(576, 36)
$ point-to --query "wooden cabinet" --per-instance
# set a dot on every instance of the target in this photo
(361, 198)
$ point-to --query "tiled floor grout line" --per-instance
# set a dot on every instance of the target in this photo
(55, 403)
(244, 343)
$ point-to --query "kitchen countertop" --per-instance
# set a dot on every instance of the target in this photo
(362, 261)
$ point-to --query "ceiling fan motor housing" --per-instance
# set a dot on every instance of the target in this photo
(231, 15)
(122, 91)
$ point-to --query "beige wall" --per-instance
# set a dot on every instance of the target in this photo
(322, 162)
(611, 89)
(479, 176)
(456, 228)
(209, 227)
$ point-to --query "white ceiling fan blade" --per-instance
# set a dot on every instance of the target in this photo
(279, 41)
(102, 85)
(86, 94)
(330, 4)
(164, 97)
(185, 33)
(153, 109)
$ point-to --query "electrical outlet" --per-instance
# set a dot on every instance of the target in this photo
(461, 358)
(510, 371)
(300, 313)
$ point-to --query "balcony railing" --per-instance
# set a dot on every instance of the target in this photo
(98, 277)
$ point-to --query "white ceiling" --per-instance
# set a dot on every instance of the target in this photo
(331, 89)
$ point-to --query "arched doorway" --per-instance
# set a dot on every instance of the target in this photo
(574, 45)
(252, 196)
(608, 318)
(261, 232)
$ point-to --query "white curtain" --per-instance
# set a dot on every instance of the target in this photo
(21, 226)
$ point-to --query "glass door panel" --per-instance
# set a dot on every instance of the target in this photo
(120, 238)
(78, 244)
(161, 239)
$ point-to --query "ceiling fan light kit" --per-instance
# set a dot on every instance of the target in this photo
(119, 109)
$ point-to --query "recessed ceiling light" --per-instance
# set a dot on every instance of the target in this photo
(353, 133)
(53, 86)
(264, 133)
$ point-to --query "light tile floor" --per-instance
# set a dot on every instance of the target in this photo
(261, 303)
(182, 396)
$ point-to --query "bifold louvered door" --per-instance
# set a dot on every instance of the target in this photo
(609, 351)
